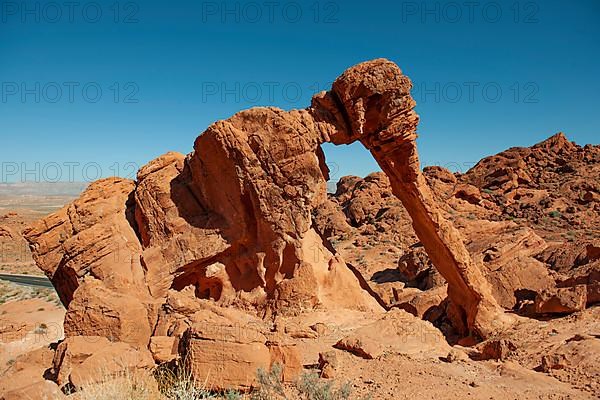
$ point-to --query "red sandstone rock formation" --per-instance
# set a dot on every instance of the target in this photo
(232, 223)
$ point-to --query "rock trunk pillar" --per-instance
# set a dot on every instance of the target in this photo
(472, 306)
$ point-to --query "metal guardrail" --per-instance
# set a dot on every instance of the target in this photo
(27, 280)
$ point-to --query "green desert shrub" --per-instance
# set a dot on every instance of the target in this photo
(555, 214)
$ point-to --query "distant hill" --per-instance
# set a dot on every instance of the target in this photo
(42, 189)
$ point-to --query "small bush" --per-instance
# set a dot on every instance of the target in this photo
(308, 387)
(313, 388)
(123, 386)
(555, 214)
(270, 385)
(165, 383)
(177, 383)
(41, 329)
(232, 395)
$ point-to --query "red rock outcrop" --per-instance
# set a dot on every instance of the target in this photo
(93, 236)
(561, 301)
(507, 253)
(553, 184)
(16, 256)
(233, 224)
(24, 379)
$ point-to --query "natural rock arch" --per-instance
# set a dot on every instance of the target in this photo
(234, 219)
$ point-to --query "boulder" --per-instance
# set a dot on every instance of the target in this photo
(507, 253)
(588, 275)
(414, 263)
(562, 300)
(98, 311)
(223, 357)
(25, 378)
(468, 193)
(426, 304)
(417, 270)
(397, 332)
(328, 363)
(496, 349)
(288, 356)
(164, 348)
(223, 347)
(45, 390)
(84, 360)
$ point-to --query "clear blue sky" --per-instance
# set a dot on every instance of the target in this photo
(488, 75)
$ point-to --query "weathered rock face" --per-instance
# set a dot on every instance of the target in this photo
(232, 223)
(262, 173)
(98, 311)
(507, 253)
(177, 232)
(226, 356)
(92, 236)
(223, 347)
(16, 256)
(82, 360)
(24, 379)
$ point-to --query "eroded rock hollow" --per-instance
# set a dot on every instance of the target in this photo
(232, 223)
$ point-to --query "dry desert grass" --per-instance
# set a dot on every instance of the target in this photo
(12, 292)
(178, 384)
